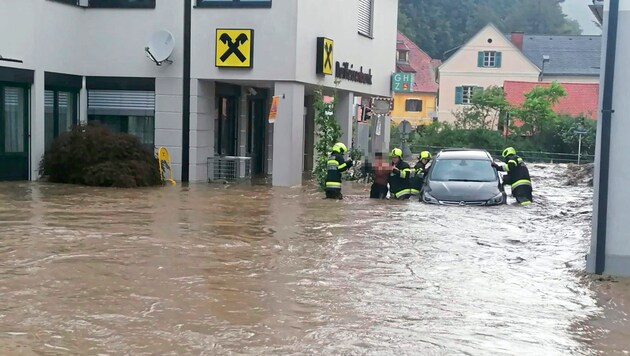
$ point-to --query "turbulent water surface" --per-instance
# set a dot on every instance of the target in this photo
(210, 270)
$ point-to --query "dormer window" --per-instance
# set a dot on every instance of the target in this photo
(402, 56)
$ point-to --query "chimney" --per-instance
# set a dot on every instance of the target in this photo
(517, 39)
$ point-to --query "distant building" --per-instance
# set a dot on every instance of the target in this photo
(488, 59)
(581, 98)
(419, 104)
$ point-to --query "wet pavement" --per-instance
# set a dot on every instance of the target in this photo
(251, 270)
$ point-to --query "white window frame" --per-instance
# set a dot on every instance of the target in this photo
(402, 56)
(489, 59)
(368, 32)
(467, 94)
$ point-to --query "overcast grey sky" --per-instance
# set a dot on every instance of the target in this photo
(578, 9)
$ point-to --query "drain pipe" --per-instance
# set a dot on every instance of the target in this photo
(186, 94)
(604, 156)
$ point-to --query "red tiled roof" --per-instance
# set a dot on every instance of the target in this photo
(420, 63)
(581, 98)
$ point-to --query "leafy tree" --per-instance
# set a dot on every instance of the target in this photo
(536, 114)
(327, 132)
(484, 110)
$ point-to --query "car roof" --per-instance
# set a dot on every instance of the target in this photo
(464, 154)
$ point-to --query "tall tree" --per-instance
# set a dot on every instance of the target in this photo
(439, 25)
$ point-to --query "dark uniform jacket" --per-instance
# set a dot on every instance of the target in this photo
(336, 166)
(419, 171)
(517, 172)
(400, 180)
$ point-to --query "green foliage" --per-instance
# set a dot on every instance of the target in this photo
(536, 113)
(485, 109)
(438, 25)
(327, 133)
(93, 155)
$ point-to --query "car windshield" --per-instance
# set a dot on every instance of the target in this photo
(463, 170)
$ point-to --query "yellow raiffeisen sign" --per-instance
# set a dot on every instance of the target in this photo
(324, 56)
(234, 48)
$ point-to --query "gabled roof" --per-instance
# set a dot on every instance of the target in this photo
(581, 99)
(568, 55)
(421, 64)
(454, 51)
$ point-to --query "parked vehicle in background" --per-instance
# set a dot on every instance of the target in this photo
(463, 177)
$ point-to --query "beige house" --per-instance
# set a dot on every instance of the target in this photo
(487, 59)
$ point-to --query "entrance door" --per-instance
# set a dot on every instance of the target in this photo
(256, 135)
(13, 133)
(227, 127)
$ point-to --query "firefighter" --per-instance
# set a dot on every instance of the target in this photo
(420, 171)
(400, 177)
(517, 176)
(336, 166)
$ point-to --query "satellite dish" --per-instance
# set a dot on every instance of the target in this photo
(160, 47)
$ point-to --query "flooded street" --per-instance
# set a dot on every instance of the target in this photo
(215, 270)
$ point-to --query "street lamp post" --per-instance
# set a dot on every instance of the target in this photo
(580, 133)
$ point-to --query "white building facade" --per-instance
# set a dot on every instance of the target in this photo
(72, 61)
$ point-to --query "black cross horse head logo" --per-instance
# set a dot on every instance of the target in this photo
(328, 49)
(233, 46)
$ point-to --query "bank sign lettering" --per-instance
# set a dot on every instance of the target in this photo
(324, 56)
(234, 48)
(402, 82)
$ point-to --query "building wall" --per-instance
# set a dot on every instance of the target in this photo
(415, 118)
(461, 69)
(571, 79)
(338, 20)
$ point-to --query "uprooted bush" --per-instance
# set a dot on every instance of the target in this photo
(93, 155)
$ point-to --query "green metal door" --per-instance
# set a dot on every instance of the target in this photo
(14, 162)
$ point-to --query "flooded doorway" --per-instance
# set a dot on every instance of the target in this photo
(256, 128)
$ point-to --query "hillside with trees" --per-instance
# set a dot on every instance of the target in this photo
(439, 25)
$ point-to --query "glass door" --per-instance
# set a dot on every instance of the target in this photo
(13, 133)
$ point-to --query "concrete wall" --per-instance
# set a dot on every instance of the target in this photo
(338, 20)
(618, 239)
(461, 69)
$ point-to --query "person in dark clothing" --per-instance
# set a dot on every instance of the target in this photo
(380, 174)
(400, 177)
(517, 176)
(336, 166)
(419, 172)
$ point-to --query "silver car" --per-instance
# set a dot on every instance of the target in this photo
(463, 177)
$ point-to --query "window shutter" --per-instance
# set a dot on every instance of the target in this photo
(480, 59)
(365, 17)
(121, 102)
(497, 60)
(459, 95)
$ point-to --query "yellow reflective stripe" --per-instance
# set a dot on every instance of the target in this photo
(332, 162)
(333, 185)
(342, 166)
(526, 203)
(512, 161)
(506, 167)
(403, 173)
(518, 183)
(414, 191)
(402, 192)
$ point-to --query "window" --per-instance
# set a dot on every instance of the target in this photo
(143, 127)
(464, 170)
(366, 12)
(413, 105)
(464, 94)
(111, 4)
(13, 120)
(60, 114)
(489, 59)
(402, 56)
(235, 3)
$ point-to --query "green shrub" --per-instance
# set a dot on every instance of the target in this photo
(93, 155)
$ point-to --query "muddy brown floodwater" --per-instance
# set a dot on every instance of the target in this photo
(253, 270)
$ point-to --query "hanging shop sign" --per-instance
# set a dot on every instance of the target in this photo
(346, 71)
(324, 56)
(273, 111)
(402, 82)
